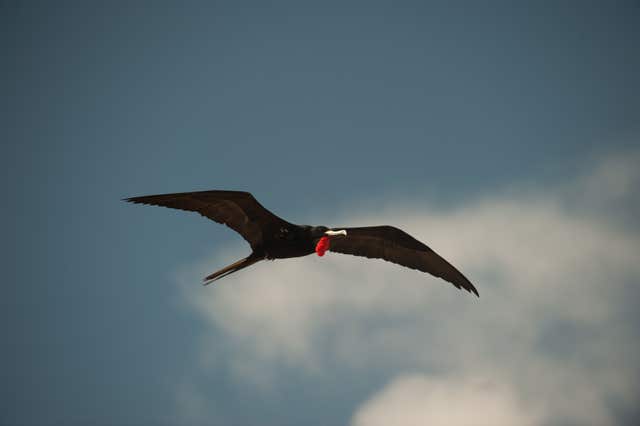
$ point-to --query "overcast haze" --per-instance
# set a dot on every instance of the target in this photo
(506, 137)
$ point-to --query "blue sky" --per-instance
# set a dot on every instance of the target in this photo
(445, 118)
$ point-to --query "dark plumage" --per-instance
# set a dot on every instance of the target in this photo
(271, 237)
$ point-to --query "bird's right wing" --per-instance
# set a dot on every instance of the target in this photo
(394, 245)
(238, 210)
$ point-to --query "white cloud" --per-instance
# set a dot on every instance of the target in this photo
(616, 178)
(551, 326)
(418, 400)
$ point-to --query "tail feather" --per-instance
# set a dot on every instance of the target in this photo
(240, 264)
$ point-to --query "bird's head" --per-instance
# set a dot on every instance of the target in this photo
(324, 236)
(321, 231)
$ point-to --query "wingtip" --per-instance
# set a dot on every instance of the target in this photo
(134, 200)
(471, 289)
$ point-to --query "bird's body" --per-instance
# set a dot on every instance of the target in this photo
(288, 241)
(271, 237)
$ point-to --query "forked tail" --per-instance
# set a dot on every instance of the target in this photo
(240, 264)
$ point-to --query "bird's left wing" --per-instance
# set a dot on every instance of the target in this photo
(238, 210)
(394, 245)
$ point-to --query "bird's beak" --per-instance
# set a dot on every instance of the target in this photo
(335, 233)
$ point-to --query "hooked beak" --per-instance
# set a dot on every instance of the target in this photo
(335, 233)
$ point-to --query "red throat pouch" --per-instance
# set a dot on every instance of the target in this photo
(322, 246)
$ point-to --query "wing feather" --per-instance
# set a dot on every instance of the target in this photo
(238, 210)
(396, 246)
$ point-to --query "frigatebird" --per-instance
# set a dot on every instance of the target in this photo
(271, 237)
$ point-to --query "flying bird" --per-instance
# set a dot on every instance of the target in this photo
(271, 237)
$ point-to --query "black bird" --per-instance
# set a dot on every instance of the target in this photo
(271, 237)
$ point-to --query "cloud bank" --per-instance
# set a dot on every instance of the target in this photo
(553, 339)
(419, 400)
